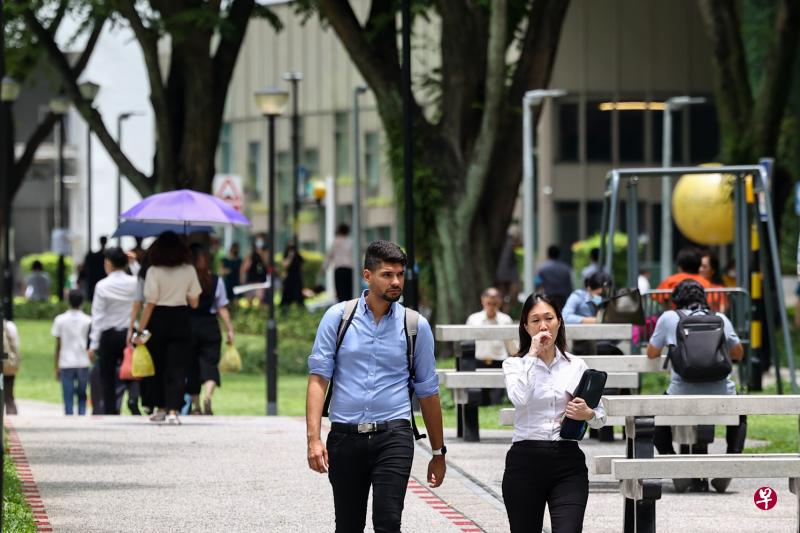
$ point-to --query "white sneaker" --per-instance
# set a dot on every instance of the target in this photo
(172, 420)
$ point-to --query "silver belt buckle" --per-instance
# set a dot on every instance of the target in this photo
(367, 427)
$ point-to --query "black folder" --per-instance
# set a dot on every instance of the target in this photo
(590, 389)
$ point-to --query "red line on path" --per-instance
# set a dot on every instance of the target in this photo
(29, 488)
(439, 505)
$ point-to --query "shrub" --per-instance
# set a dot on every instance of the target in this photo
(312, 266)
(23, 309)
(50, 263)
(619, 263)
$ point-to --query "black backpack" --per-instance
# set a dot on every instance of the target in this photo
(412, 319)
(700, 353)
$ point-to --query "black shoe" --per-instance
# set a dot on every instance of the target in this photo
(720, 484)
(699, 485)
(681, 485)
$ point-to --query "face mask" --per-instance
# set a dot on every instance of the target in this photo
(259, 243)
(597, 299)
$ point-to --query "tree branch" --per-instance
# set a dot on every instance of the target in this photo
(478, 169)
(148, 40)
(89, 113)
(228, 51)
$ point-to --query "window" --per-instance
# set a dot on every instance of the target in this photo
(372, 162)
(342, 144)
(631, 136)
(344, 214)
(254, 184)
(566, 217)
(225, 148)
(568, 132)
(379, 233)
(703, 133)
(598, 133)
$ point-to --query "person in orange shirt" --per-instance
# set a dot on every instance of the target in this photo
(709, 269)
(689, 261)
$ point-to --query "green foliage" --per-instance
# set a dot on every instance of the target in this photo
(312, 266)
(17, 515)
(23, 309)
(619, 263)
(50, 263)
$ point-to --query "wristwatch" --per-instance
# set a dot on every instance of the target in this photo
(440, 451)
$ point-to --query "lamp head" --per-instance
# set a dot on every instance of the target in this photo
(271, 101)
(361, 89)
(319, 190)
(9, 89)
(293, 75)
(59, 105)
(89, 90)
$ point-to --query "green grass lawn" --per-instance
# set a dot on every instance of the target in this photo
(244, 394)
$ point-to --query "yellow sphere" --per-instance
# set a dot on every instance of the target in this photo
(702, 207)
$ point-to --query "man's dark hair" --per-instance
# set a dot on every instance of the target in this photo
(594, 255)
(343, 230)
(103, 241)
(689, 260)
(169, 250)
(553, 251)
(383, 252)
(37, 265)
(116, 257)
(75, 298)
(599, 280)
(689, 294)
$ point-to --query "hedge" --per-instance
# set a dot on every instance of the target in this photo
(619, 263)
(50, 263)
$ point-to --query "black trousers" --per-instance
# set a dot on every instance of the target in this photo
(359, 460)
(734, 438)
(112, 344)
(204, 353)
(545, 472)
(169, 347)
(343, 281)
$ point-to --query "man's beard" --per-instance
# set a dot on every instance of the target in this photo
(391, 299)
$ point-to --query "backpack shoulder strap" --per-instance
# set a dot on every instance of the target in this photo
(348, 312)
(411, 329)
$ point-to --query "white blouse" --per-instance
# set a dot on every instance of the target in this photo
(540, 394)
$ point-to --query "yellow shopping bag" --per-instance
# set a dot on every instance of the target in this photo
(142, 366)
(230, 362)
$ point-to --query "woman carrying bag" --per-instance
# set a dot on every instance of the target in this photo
(171, 287)
(542, 468)
(206, 339)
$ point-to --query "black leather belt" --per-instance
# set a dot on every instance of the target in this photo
(369, 427)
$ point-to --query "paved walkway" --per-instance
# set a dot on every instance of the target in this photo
(120, 474)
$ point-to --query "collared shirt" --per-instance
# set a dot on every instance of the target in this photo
(579, 306)
(371, 369)
(540, 394)
(111, 305)
(495, 350)
(665, 334)
(72, 329)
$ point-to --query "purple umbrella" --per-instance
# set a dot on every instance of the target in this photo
(185, 207)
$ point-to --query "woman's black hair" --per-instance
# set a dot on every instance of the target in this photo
(599, 280)
(525, 338)
(169, 250)
(713, 261)
(689, 294)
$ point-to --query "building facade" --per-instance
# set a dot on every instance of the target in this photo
(611, 51)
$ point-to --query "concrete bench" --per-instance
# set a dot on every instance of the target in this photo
(575, 332)
(641, 472)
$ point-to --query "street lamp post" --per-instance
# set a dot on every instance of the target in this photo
(670, 105)
(9, 92)
(530, 99)
(357, 260)
(60, 106)
(120, 119)
(294, 78)
(89, 91)
(410, 293)
(271, 102)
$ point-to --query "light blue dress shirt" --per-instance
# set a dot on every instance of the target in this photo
(371, 369)
(579, 305)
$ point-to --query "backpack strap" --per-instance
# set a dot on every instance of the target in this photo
(348, 312)
(412, 323)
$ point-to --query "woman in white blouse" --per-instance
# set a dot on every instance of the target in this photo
(541, 468)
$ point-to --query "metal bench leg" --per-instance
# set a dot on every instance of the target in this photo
(794, 486)
(641, 446)
(469, 413)
(629, 516)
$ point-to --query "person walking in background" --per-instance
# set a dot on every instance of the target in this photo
(554, 278)
(37, 284)
(709, 269)
(292, 287)
(254, 267)
(541, 467)
(71, 330)
(490, 354)
(593, 266)
(138, 251)
(340, 258)
(146, 386)
(206, 340)
(231, 270)
(170, 288)
(643, 281)
(111, 308)
(689, 261)
(10, 364)
(94, 269)
(506, 276)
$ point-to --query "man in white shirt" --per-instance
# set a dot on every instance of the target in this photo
(111, 312)
(491, 354)
(71, 330)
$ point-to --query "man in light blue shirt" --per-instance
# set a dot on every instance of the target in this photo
(371, 441)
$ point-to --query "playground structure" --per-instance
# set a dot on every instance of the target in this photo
(755, 251)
